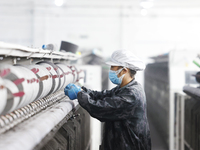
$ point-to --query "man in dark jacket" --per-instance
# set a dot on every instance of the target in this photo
(123, 109)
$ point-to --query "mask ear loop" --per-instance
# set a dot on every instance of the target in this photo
(118, 71)
(122, 76)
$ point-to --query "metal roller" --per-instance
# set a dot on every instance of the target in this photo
(9, 120)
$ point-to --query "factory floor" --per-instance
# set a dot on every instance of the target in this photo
(156, 139)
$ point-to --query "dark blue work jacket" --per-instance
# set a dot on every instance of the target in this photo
(124, 112)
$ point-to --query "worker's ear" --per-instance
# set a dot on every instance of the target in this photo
(125, 70)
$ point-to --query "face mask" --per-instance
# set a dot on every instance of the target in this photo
(114, 78)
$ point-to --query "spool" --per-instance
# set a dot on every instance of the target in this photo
(33, 85)
(61, 77)
(44, 79)
(74, 71)
(68, 75)
(81, 76)
(13, 97)
(55, 74)
(18, 78)
(3, 93)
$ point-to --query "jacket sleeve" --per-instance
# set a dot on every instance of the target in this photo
(97, 95)
(109, 108)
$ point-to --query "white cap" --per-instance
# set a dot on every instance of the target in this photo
(126, 59)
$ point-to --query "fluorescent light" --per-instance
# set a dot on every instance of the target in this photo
(59, 2)
(146, 4)
(144, 12)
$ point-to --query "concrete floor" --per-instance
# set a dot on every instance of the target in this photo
(156, 139)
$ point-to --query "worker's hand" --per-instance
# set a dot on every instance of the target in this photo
(71, 90)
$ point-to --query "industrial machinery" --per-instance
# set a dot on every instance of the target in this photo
(35, 113)
(188, 116)
(164, 78)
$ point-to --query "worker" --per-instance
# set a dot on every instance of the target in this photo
(123, 108)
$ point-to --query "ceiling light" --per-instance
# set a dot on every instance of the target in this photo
(59, 2)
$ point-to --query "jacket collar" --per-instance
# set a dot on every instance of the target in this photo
(133, 82)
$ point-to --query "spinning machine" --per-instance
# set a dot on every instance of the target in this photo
(35, 113)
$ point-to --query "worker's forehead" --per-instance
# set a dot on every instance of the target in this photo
(115, 67)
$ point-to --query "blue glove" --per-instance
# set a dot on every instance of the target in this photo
(71, 90)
